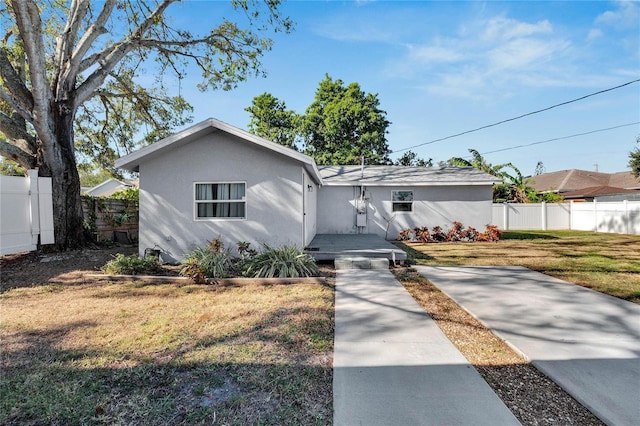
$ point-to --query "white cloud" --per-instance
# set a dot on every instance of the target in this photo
(485, 56)
(626, 15)
(430, 54)
(523, 54)
(501, 28)
(594, 34)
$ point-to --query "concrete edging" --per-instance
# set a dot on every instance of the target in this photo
(210, 281)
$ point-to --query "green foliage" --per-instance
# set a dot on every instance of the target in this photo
(283, 262)
(271, 120)
(411, 159)
(11, 168)
(207, 262)
(212, 261)
(343, 124)
(634, 159)
(92, 175)
(129, 194)
(131, 265)
(477, 161)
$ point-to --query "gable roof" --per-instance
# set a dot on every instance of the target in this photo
(404, 176)
(597, 191)
(211, 125)
(574, 179)
(109, 187)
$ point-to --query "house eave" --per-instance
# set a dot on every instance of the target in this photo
(132, 161)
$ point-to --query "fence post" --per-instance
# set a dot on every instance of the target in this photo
(543, 205)
(505, 216)
(595, 215)
(625, 203)
(34, 205)
(571, 215)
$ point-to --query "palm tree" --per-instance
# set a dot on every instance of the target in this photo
(515, 187)
(478, 162)
(519, 187)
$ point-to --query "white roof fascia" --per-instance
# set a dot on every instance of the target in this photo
(132, 161)
(396, 183)
(106, 182)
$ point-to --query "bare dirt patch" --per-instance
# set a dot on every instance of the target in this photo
(36, 269)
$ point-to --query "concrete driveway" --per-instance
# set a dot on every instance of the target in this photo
(587, 342)
(393, 366)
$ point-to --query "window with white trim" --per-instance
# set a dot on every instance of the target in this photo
(402, 201)
(220, 200)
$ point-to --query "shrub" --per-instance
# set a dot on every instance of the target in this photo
(470, 234)
(456, 232)
(404, 235)
(212, 261)
(491, 234)
(422, 234)
(131, 265)
(283, 262)
(437, 234)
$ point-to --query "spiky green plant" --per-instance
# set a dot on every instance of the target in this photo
(210, 261)
(281, 262)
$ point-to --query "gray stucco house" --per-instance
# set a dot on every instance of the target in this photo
(213, 180)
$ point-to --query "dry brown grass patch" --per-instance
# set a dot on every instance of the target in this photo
(133, 352)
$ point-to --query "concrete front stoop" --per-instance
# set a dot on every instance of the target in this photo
(361, 262)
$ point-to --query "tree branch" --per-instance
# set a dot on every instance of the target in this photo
(12, 152)
(30, 25)
(74, 60)
(117, 52)
(14, 83)
(5, 96)
(16, 132)
(65, 41)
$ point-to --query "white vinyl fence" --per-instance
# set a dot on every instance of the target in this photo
(621, 217)
(26, 212)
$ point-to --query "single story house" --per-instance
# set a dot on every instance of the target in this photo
(213, 180)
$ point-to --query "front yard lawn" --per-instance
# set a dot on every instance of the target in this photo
(608, 263)
(126, 353)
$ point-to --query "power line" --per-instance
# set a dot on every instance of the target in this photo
(559, 138)
(519, 117)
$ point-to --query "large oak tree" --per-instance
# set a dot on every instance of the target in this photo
(70, 79)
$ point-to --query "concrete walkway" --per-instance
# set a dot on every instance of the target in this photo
(393, 365)
(587, 342)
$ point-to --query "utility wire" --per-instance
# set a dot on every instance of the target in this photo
(558, 139)
(519, 117)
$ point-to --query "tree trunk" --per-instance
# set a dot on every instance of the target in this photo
(57, 160)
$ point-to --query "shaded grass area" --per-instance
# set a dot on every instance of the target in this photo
(608, 263)
(162, 354)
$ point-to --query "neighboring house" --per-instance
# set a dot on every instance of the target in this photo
(569, 181)
(109, 187)
(213, 180)
(600, 192)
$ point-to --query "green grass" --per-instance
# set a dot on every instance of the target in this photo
(608, 263)
(161, 354)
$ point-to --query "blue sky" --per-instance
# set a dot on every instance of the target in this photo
(441, 68)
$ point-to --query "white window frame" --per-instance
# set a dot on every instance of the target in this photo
(196, 202)
(394, 201)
